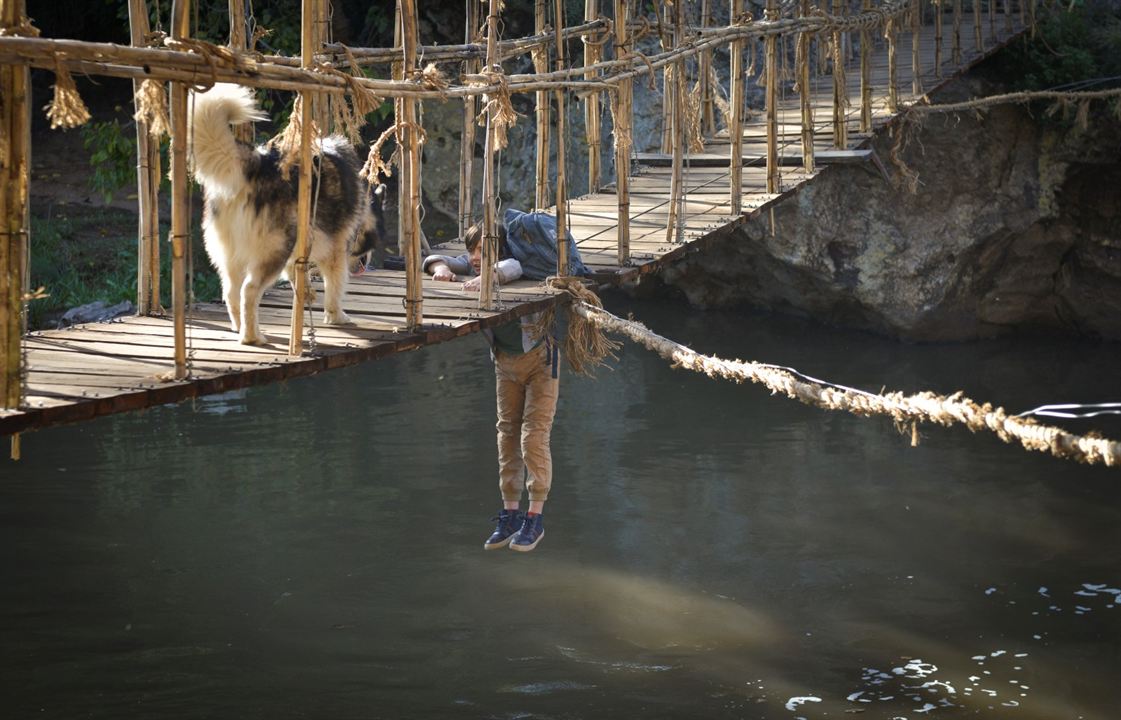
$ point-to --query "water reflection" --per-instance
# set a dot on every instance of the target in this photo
(312, 549)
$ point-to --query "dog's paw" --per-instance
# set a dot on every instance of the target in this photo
(254, 340)
(337, 318)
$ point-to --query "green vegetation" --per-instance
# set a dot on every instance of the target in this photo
(1077, 46)
(83, 257)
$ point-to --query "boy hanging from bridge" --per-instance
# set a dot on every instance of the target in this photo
(527, 382)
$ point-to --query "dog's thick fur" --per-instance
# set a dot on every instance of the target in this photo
(249, 221)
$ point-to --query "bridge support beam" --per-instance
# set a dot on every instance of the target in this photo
(621, 116)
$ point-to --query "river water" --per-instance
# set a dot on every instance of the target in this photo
(314, 549)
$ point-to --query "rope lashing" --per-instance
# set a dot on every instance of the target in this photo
(905, 410)
(66, 109)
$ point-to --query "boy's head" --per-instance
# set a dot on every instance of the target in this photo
(473, 240)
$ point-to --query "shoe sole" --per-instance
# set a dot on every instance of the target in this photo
(498, 545)
(527, 548)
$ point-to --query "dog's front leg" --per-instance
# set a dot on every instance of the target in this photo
(231, 292)
(334, 285)
(251, 291)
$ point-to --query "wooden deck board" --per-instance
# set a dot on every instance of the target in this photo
(122, 365)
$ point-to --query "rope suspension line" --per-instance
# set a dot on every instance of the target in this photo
(905, 410)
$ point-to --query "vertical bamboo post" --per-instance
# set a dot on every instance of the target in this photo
(591, 103)
(1023, 12)
(891, 32)
(467, 146)
(180, 27)
(147, 186)
(15, 163)
(1031, 16)
(239, 42)
(805, 94)
(1008, 16)
(669, 84)
(866, 74)
(957, 34)
(770, 57)
(410, 174)
(708, 104)
(622, 129)
(735, 121)
(840, 87)
(490, 229)
(978, 39)
(308, 17)
(321, 35)
(544, 108)
(916, 49)
(937, 5)
(562, 175)
(677, 122)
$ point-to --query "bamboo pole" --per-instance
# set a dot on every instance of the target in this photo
(866, 74)
(490, 230)
(978, 39)
(321, 34)
(956, 51)
(410, 175)
(308, 17)
(147, 188)
(1008, 16)
(937, 5)
(544, 121)
(916, 49)
(562, 181)
(840, 87)
(669, 83)
(676, 126)
(704, 69)
(891, 32)
(805, 94)
(735, 121)
(239, 42)
(180, 27)
(591, 104)
(774, 182)
(622, 129)
(1023, 12)
(467, 146)
(992, 18)
(15, 163)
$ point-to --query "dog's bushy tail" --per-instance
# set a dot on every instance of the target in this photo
(216, 158)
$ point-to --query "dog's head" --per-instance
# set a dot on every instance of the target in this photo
(371, 233)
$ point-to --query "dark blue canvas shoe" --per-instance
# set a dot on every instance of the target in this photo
(531, 533)
(509, 521)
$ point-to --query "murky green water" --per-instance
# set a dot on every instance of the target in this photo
(314, 549)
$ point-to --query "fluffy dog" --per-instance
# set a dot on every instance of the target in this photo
(249, 219)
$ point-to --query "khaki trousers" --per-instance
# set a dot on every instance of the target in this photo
(527, 401)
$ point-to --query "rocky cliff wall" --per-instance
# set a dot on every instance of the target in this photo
(1016, 225)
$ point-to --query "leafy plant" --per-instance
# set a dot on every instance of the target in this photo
(112, 157)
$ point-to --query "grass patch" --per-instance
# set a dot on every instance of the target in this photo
(81, 257)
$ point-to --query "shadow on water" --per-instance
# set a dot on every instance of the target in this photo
(313, 549)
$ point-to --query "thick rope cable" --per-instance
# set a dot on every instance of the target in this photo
(905, 410)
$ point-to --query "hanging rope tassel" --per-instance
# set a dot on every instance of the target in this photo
(66, 109)
(151, 108)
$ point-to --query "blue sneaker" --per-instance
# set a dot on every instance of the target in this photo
(531, 533)
(508, 523)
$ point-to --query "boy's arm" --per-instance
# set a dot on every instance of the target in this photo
(508, 271)
(445, 267)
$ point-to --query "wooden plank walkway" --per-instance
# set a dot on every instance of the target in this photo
(104, 368)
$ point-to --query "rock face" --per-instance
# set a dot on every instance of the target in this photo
(1016, 226)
